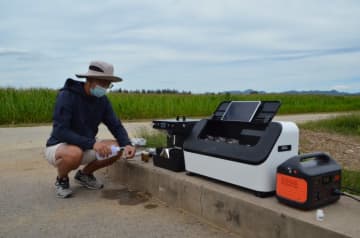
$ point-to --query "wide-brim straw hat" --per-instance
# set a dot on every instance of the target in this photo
(100, 70)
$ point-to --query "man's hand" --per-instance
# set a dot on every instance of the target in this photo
(102, 148)
(129, 152)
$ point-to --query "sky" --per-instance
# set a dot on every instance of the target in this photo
(198, 46)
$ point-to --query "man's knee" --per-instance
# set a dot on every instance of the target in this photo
(71, 155)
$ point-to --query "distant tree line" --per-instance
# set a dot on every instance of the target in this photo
(157, 91)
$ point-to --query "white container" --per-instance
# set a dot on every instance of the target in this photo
(319, 215)
(114, 151)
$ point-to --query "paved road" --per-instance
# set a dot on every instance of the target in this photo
(28, 207)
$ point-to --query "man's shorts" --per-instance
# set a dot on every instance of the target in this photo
(88, 156)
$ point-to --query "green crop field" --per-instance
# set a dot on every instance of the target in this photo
(26, 106)
(36, 105)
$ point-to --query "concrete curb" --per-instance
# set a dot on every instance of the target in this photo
(234, 209)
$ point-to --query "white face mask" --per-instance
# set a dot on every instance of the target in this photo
(98, 91)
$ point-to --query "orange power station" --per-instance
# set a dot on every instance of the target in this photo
(308, 181)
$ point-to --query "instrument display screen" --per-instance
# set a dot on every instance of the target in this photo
(243, 111)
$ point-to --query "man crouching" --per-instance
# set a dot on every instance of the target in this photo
(80, 108)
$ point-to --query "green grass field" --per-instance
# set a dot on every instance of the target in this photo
(26, 106)
(345, 124)
(351, 181)
(36, 105)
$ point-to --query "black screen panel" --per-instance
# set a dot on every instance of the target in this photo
(242, 111)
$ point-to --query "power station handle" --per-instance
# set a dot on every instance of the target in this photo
(315, 155)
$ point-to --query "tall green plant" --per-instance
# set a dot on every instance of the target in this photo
(36, 105)
(26, 106)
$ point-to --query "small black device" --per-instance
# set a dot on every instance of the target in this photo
(177, 129)
(169, 158)
(308, 181)
(172, 157)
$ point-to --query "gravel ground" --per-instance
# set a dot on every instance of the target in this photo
(344, 149)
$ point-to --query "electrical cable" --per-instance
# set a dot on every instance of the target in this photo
(348, 195)
(338, 192)
(351, 189)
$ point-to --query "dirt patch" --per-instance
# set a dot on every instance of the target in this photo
(344, 149)
(125, 196)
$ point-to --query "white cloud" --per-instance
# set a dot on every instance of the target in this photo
(341, 88)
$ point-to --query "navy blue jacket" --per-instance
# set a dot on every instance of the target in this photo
(77, 117)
